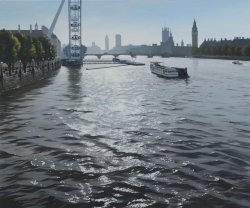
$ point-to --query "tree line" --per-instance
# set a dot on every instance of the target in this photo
(20, 46)
(223, 50)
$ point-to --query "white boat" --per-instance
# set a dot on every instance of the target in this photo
(168, 72)
(237, 62)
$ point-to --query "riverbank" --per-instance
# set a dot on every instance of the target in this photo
(30, 76)
(242, 58)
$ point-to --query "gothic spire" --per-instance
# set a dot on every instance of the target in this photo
(194, 25)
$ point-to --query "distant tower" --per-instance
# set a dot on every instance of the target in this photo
(36, 26)
(195, 35)
(165, 34)
(106, 43)
(118, 41)
(171, 40)
(30, 29)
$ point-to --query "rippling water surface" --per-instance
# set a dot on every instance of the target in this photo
(123, 137)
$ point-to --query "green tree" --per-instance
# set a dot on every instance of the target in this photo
(49, 49)
(27, 51)
(9, 48)
(237, 51)
(225, 50)
(40, 53)
(231, 50)
(245, 50)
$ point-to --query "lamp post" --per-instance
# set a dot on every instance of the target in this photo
(43, 65)
(33, 65)
(20, 69)
(1, 75)
(52, 59)
(48, 64)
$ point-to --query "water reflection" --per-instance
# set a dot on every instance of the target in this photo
(195, 64)
(127, 138)
(75, 79)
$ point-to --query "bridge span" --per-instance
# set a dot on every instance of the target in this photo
(115, 55)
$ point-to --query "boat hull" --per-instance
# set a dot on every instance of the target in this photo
(72, 62)
(237, 63)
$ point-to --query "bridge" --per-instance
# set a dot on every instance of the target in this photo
(116, 55)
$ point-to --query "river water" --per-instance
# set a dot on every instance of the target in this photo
(123, 137)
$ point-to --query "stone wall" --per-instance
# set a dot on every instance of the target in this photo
(32, 75)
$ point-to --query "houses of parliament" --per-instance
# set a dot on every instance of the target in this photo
(168, 47)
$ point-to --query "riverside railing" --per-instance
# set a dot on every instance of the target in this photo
(20, 77)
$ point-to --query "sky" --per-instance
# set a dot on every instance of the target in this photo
(138, 21)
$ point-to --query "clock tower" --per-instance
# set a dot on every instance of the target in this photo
(195, 35)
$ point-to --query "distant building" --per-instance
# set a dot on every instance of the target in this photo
(94, 49)
(166, 48)
(106, 43)
(167, 43)
(237, 41)
(33, 33)
(123, 49)
(38, 33)
(118, 41)
(141, 50)
(165, 34)
(195, 35)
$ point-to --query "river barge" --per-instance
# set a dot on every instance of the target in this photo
(168, 72)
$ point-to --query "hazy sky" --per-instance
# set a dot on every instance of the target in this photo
(138, 21)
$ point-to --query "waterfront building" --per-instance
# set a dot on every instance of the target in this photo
(237, 41)
(43, 32)
(118, 41)
(195, 35)
(182, 50)
(106, 43)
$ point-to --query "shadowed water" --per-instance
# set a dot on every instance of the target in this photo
(124, 137)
